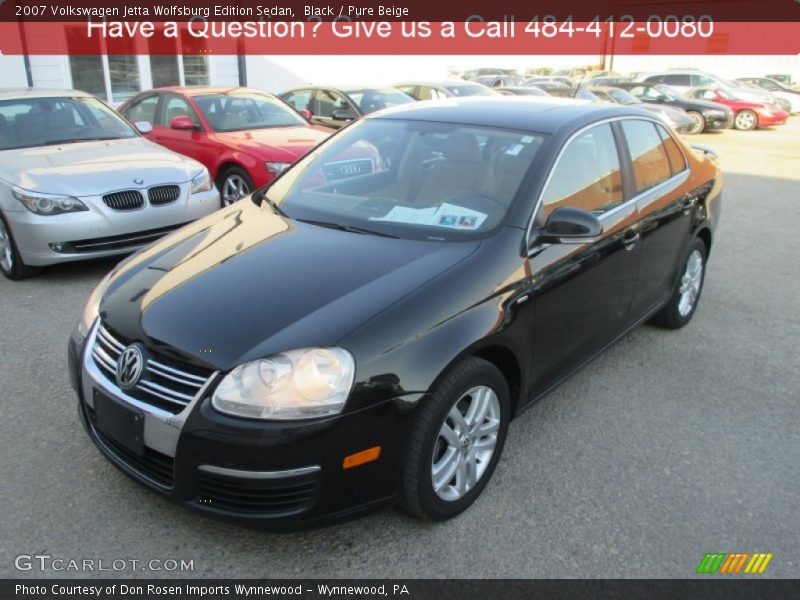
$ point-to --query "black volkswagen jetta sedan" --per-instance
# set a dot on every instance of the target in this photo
(328, 346)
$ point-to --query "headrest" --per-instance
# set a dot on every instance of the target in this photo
(464, 146)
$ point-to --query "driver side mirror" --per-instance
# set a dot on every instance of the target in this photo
(344, 115)
(306, 114)
(143, 127)
(181, 123)
(568, 225)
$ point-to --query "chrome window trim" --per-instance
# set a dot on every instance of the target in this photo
(259, 474)
(631, 201)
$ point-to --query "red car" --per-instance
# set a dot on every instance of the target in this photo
(245, 137)
(746, 114)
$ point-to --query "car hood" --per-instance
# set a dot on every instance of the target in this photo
(674, 113)
(94, 168)
(278, 143)
(244, 283)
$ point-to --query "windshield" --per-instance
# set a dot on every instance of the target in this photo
(370, 100)
(30, 122)
(470, 89)
(239, 112)
(409, 179)
(623, 97)
(669, 92)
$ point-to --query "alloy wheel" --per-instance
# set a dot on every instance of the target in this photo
(466, 443)
(6, 252)
(699, 122)
(745, 120)
(234, 188)
(690, 283)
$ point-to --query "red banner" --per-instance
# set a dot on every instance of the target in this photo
(654, 36)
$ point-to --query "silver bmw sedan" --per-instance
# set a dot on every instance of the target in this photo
(77, 182)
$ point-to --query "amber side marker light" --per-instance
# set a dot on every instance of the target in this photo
(361, 458)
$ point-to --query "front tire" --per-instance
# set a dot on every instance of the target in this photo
(456, 441)
(745, 120)
(11, 263)
(699, 122)
(681, 306)
(234, 184)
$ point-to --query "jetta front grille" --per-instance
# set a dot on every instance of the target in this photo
(163, 194)
(126, 200)
(163, 384)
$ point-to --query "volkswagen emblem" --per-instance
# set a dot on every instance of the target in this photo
(129, 367)
(138, 181)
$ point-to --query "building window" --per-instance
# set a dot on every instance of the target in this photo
(164, 70)
(86, 71)
(195, 70)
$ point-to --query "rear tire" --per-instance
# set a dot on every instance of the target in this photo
(745, 120)
(683, 303)
(699, 122)
(456, 441)
(11, 263)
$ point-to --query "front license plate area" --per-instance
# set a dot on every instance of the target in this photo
(119, 421)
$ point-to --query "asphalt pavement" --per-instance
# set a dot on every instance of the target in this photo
(669, 446)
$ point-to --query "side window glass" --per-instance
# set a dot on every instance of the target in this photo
(676, 159)
(649, 157)
(144, 110)
(587, 175)
(176, 106)
(299, 100)
(329, 102)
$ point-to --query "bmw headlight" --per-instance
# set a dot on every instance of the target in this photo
(276, 168)
(201, 182)
(47, 204)
(299, 384)
(92, 309)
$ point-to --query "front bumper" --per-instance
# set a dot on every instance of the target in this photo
(99, 231)
(714, 121)
(256, 473)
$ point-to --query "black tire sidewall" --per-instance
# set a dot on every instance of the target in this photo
(18, 269)
(670, 316)
(479, 372)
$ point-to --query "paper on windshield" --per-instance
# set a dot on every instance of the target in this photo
(446, 215)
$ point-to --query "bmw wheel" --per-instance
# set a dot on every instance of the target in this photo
(457, 441)
(10, 261)
(234, 185)
(681, 306)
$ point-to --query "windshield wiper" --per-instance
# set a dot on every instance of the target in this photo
(75, 141)
(348, 228)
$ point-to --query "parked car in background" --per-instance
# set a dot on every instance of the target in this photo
(373, 338)
(244, 137)
(776, 88)
(434, 90)
(563, 91)
(683, 80)
(78, 182)
(706, 115)
(746, 113)
(471, 74)
(518, 90)
(549, 85)
(336, 107)
(497, 81)
(676, 117)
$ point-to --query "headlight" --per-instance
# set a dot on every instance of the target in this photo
(299, 384)
(201, 182)
(276, 168)
(47, 204)
(91, 310)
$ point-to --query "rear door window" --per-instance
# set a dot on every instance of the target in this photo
(651, 164)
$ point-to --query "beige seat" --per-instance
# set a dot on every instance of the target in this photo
(462, 171)
(509, 170)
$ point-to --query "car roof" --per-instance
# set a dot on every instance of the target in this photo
(11, 93)
(529, 113)
(203, 90)
(439, 82)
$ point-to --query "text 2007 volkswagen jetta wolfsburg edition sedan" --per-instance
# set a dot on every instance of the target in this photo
(77, 182)
(325, 347)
